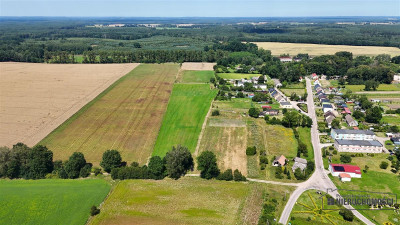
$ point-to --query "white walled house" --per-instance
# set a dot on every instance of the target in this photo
(286, 105)
(366, 135)
(358, 146)
(351, 170)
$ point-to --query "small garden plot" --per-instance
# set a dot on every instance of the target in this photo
(236, 76)
(393, 120)
(382, 87)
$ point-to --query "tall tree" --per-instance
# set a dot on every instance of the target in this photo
(111, 159)
(207, 164)
(178, 161)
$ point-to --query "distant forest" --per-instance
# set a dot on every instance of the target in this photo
(70, 40)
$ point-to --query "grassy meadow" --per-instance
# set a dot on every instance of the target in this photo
(278, 48)
(190, 200)
(288, 92)
(126, 116)
(183, 121)
(198, 76)
(50, 201)
(237, 75)
(382, 87)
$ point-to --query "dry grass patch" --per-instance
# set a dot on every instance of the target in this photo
(278, 48)
(36, 98)
(126, 117)
(197, 66)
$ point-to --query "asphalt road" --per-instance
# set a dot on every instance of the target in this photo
(319, 180)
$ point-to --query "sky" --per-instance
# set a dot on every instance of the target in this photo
(199, 8)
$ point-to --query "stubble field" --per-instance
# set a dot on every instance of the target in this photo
(36, 98)
(126, 117)
(278, 48)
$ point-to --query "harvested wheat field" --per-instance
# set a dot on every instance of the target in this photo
(197, 66)
(227, 138)
(126, 117)
(37, 98)
(278, 48)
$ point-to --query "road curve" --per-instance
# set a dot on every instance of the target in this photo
(318, 180)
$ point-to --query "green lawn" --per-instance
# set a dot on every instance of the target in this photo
(391, 119)
(190, 76)
(50, 201)
(289, 91)
(189, 200)
(182, 123)
(382, 87)
(299, 85)
(235, 103)
(280, 141)
(375, 181)
(305, 137)
(237, 75)
(308, 206)
(127, 116)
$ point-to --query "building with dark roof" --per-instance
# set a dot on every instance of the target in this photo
(358, 146)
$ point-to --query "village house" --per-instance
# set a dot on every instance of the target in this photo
(299, 163)
(396, 140)
(285, 59)
(329, 119)
(327, 107)
(280, 99)
(286, 105)
(271, 112)
(358, 146)
(350, 121)
(353, 134)
(279, 161)
(344, 171)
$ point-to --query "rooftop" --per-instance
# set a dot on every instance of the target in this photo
(285, 103)
(346, 168)
(359, 142)
(344, 131)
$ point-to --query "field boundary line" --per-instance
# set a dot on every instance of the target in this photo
(203, 127)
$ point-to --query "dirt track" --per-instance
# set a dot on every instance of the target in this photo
(36, 98)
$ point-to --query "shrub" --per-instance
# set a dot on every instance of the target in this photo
(346, 214)
(94, 211)
(335, 152)
(207, 164)
(227, 175)
(178, 161)
(253, 112)
(263, 159)
(384, 165)
(156, 168)
(96, 171)
(251, 150)
(215, 112)
(74, 165)
(237, 176)
(345, 158)
(85, 171)
(111, 159)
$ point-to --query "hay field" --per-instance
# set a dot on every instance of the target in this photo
(50, 201)
(197, 66)
(36, 98)
(189, 200)
(183, 121)
(278, 48)
(126, 117)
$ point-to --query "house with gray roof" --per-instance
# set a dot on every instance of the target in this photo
(353, 134)
(350, 121)
(299, 163)
(358, 146)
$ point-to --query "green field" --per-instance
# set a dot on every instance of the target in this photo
(50, 201)
(307, 211)
(191, 76)
(289, 91)
(391, 119)
(375, 181)
(382, 87)
(237, 75)
(126, 116)
(189, 200)
(183, 121)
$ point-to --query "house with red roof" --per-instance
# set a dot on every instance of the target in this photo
(266, 107)
(345, 171)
